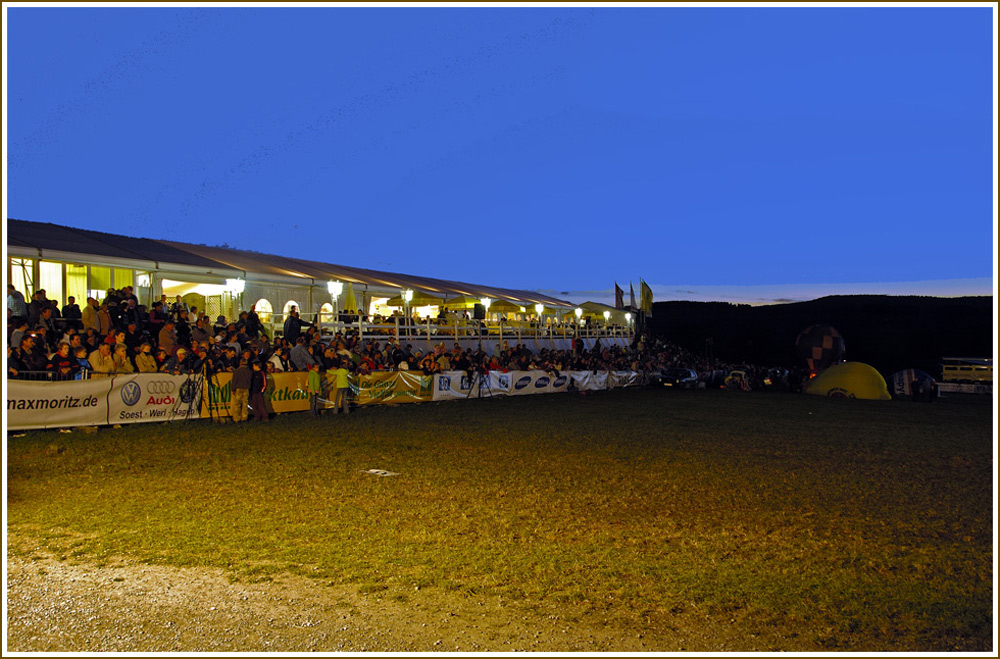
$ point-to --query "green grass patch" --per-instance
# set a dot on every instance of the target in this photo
(869, 524)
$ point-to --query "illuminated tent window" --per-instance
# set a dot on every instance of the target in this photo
(288, 307)
(263, 309)
(326, 313)
(50, 277)
(76, 283)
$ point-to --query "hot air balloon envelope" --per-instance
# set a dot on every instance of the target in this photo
(820, 346)
(849, 380)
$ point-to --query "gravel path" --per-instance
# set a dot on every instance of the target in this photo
(58, 606)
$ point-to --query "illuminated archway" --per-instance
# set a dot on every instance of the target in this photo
(326, 313)
(263, 309)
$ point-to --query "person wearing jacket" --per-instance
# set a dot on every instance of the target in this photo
(241, 381)
(300, 356)
(122, 362)
(258, 383)
(101, 360)
(293, 326)
(145, 362)
(314, 387)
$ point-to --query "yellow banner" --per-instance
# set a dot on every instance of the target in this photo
(289, 394)
(393, 387)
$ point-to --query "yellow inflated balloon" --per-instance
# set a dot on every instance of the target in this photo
(850, 380)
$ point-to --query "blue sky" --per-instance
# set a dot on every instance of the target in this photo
(561, 149)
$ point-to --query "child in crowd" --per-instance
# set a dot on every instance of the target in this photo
(314, 386)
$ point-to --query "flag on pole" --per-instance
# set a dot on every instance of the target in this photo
(647, 297)
(619, 297)
(631, 296)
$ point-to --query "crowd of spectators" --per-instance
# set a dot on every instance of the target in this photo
(118, 335)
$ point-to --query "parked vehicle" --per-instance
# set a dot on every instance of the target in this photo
(680, 378)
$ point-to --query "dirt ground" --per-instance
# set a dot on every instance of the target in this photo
(62, 606)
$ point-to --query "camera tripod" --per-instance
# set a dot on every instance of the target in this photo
(479, 379)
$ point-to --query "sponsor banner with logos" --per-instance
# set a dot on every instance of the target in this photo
(452, 385)
(624, 379)
(145, 397)
(289, 394)
(35, 404)
(589, 381)
(529, 382)
(392, 387)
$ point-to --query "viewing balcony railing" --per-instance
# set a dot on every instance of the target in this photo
(398, 327)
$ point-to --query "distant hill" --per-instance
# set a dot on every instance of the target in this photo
(887, 332)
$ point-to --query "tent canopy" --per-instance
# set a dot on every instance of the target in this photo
(461, 302)
(420, 299)
(505, 306)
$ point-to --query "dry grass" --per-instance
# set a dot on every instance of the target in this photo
(864, 525)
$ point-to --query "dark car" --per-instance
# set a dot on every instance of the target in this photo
(680, 378)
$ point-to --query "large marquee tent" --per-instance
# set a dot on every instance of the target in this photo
(79, 262)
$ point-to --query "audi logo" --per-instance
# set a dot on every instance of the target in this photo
(161, 387)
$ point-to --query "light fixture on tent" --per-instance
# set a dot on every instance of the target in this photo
(235, 288)
(539, 308)
(335, 288)
(579, 315)
(628, 318)
(486, 302)
(607, 316)
(407, 296)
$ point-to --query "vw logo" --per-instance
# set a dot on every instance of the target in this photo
(161, 387)
(131, 393)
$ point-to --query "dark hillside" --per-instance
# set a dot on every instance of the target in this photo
(888, 332)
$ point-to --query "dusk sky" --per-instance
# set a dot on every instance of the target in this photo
(714, 152)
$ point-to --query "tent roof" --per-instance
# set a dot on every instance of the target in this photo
(163, 254)
(53, 237)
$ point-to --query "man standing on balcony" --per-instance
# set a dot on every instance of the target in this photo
(293, 326)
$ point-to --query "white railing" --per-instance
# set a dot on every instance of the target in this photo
(396, 326)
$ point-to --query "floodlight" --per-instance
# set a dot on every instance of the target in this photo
(335, 287)
(235, 286)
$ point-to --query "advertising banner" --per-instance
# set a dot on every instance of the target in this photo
(453, 385)
(393, 387)
(624, 379)
(33, 404)
(288, 395)
(588, 381)
(529, 382)
(144, 397)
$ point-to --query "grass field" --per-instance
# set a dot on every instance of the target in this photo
(852, 525)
